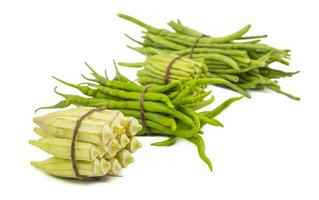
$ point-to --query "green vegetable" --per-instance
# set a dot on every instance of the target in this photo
(113, 147)
(169, 110)
(92, 158)
(61, 148)
(63, 167)
(123, 140)
(134, 95)
(125, 158)
(199, 142)
(134, 145)
(168, 142)
(115, 167)
(242, 65)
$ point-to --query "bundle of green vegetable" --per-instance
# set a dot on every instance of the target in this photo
(183, 69)
(103, 145)
(244, 65)
(166, 110)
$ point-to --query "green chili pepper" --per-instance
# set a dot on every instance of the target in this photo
(135, 105)
(159, 118)
(200, 144)
(222, 107)
(201, 104)
(168, 142)
(134, 95)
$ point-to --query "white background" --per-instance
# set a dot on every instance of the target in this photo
(267, 150)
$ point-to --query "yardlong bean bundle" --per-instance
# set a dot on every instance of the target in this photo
(244, 65)
(166, 110)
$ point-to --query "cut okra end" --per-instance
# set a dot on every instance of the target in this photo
(131, 125)
(118, 129)
(113, 147)
(107, 133)
(134, 145)
(105, 166)
(125, 158)
(123, 139)
(115, 167)
(103, 149)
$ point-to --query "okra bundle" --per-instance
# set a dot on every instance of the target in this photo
(243, 61)
(170, 110)
(103, 145)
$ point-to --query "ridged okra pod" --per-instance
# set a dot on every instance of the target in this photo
(63, 167)
(61, 148)
(97, 128)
